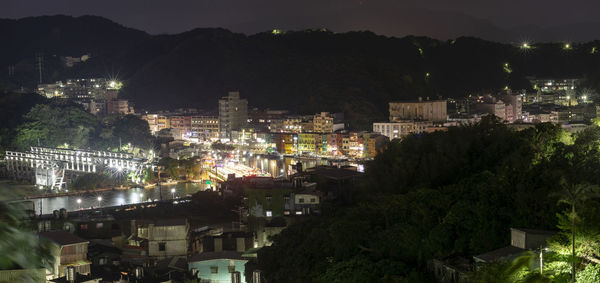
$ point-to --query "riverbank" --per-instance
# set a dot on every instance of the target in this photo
(74, 193)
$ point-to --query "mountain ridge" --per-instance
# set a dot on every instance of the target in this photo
(304, 71)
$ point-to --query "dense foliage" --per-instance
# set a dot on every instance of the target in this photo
(19, 248)
(32, 120)
(97, 180)
(189, 168)
(441, 194)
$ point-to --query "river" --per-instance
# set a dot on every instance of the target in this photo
(277, 167)
(114, 198)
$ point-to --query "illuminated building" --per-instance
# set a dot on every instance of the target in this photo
(233, 114)
(183, 123)
(554, 85)
(400, 129)
(429, 110)
(72, 251)
(323, 123)
(307, 142)
(497, 108)
(206, 127)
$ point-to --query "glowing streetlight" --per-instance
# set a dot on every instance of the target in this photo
(567, 46)
(79, 203)
(525, 45)
(173, 193)
(99, 201)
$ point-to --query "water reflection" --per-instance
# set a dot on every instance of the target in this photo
(114, 198)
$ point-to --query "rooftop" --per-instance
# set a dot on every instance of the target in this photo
(62, 238)
(216, 255)
(163, 222)
(535, 231)
(333, 172)
(499, 254)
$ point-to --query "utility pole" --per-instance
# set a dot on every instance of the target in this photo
(119, 144)
(40, 60)
(158, 184)
(573, 238)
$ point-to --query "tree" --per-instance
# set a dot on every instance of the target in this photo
(517, 270)
(575, 195)
(132, 129)
(20, 248)
(591, 274)
(171, 167)
(56, 124)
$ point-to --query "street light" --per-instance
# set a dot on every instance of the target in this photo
(141, 197)
(173, 193)
(79, 203)
(99, 201)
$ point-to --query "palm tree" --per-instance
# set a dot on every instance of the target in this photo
(575, 195)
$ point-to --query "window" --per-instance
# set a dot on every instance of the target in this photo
(162, 247)
(301, 200)
(313, 200)
(298, 212)
(269, 213)
(99, 225)
(214, 269)
(83, 226)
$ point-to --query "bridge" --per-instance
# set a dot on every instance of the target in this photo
(47, 166)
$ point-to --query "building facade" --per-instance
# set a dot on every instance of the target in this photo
(430, 110)
(72, 252)
(205, 127)
(323, 122)
(233, 114)
(164, 238)
(398, 130)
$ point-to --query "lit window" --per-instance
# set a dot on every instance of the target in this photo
(269, 213)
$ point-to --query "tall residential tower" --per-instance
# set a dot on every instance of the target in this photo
(233, 114)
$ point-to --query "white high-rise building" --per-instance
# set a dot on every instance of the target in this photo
(233, 114)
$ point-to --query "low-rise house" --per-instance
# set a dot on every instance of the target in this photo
(521, 240)
(218, 266)
(72, 252)
(164, 238)
(451, 269)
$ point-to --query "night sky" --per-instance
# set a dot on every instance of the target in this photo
(438, 18)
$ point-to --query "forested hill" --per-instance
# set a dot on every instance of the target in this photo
(305, 71)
